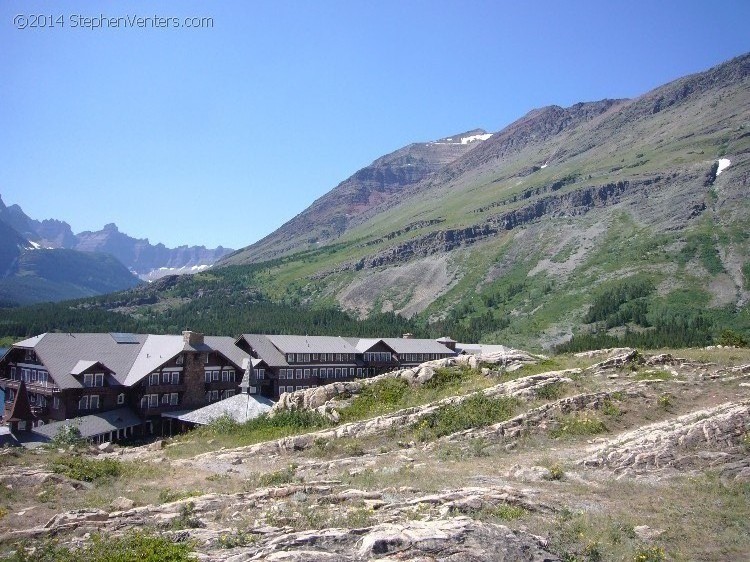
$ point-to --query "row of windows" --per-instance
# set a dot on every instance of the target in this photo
(411, 357)
(323, 372)
(378, 356)
(226, 375)
(93, 379)
(214, 395)
(283, 389)
(322, 357)
(24, 374)
(154, 400)
(90, 401)
(167, 377)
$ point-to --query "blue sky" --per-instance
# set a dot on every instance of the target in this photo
(219, 135)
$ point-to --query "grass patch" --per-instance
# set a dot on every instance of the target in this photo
(87, 470)
(476, 411)
(553, 391)
(225, 432)
(654, 375)
(134, 546)
(578, 424)
(168, 495)
(390, 395)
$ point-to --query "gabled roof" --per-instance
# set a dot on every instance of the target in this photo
(312, 344)
(265, 349)
(414, 345)
(68, 355)
(61, 353)
(82, 366)
(225, 345)
(20, 410)
(240, 407)
(154, 352)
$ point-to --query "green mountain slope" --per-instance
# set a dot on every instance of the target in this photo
(609, 221)
(517, 236)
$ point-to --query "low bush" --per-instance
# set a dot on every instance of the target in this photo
(476, 411)
(88, 470)
(574, 425)
(135, 546)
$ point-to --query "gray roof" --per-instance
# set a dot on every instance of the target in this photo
(65, 355)
(93, 424)
(414, 345)
(312, 344)
(480, 348)
(60, 353)
(226, 346)
(240, 407)
(265, 350)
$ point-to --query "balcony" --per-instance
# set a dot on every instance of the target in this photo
(37, 387)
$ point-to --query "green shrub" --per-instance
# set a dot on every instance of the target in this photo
(187, 518)
(376, 398)
(649, 554)
(552, 391)
(88, 470)
(731, 338)
(168, 495)
(279, 477)
(66, 436)
(476, 411)
(556, 472)
(237, 539)
(573, 425)
(449, 377)
(135, 546)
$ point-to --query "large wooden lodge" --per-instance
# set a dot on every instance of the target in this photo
(120, 386)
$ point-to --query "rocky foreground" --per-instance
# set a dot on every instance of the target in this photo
(605, 455)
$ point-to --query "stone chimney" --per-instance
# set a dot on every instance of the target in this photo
(448, 342)
(408, 336)
(192, 338)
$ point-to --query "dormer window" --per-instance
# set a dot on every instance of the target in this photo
(93, 379)
(29, 355)
(180, 360)
(121, 398)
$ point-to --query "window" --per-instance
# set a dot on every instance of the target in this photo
(298, 373)
(164, 399)
(166, 378)
(359, 371)
(231, 375)
(282, 390)
(94, 402)
(153, 400)
(173, 399)
(290, 357)
(225, 376)
(314, 356)
(43, 376)
(99, 379)
(29, 355)
(228, 393)
(33, 375)
(338, 373)
(83, 403)
(307, 373)
(351, 371)
(306, 358)
(180, 360)
(13, 373)
(25, 375)
(176, 377)
(88, 379)
(298, 388)
(56, 402)
(121, 398)
(214, 395)
(260, 374)
(206, 358)
(315, 372)
(154, 379)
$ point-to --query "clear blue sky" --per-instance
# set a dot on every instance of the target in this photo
(219, 135)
